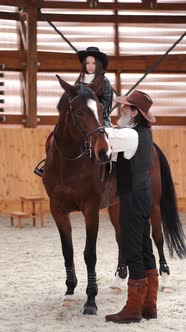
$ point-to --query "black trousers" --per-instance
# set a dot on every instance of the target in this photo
(136, 244)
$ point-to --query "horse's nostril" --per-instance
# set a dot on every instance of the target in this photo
(103, 156)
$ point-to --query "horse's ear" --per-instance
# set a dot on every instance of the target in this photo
(66, 86)
(97, 85)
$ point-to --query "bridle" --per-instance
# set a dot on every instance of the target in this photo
(88, 136)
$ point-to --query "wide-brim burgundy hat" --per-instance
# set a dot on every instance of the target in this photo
(141, 101)
(95, 52)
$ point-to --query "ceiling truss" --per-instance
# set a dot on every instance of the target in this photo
(29, 61)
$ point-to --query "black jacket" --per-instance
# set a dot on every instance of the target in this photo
(134, 174)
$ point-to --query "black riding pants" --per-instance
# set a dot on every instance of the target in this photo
(136, 244)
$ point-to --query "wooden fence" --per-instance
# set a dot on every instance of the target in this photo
(22, 148)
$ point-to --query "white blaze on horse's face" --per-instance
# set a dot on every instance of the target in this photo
(93, 106)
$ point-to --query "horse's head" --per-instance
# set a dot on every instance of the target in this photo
(85, 119)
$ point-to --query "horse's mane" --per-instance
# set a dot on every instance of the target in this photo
(85, 92)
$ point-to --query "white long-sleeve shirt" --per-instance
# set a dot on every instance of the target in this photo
(124, 139)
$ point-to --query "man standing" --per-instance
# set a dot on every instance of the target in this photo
(134, 147)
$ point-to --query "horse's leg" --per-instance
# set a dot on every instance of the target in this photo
(91, 215)
(64, 227)
(159, 242)
(121, 272)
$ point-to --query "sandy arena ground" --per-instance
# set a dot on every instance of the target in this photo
(32, 282)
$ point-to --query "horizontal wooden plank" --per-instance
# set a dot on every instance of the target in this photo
(20, 119)
(12, 119)
(168, 6)
(17, 3)
(50, 61)
(137, 19)
(21, 3)
(52, 120)
(9, 16)
(162, 120)
(112, 6)
(142, 63)
(47, 120)
(165, 19)
(170, 121)
(56, 62)
(13, 60)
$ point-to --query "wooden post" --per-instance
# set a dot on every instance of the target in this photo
(116, 36)
(117, 53)
(31, 68)
(21, 30)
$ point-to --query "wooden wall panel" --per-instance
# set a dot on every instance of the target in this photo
(172, 142)
(22, 148)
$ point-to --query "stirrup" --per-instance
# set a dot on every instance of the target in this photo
(39, 170)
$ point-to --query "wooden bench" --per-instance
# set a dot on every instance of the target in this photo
(19, 215)
(34, 200)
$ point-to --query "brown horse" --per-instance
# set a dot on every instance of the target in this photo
(76, 179)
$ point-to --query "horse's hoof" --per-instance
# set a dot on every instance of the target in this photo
(69, 301)
(117, 283)
(69, 304)
(166, 283)
(90, 309)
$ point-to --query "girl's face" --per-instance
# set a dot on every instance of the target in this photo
(90, 65)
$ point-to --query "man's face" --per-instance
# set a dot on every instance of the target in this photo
(126, 117)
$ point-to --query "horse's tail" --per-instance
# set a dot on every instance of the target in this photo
(172, 227)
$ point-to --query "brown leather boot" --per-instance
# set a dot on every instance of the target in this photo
(149, 308)
(131, 312)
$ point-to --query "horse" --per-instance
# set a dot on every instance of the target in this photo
(77, 178)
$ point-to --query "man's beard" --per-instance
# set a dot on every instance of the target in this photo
(124, 121)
